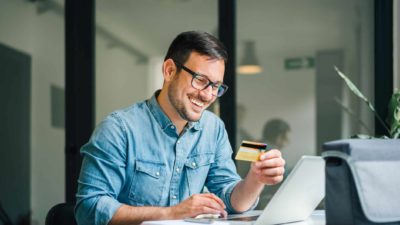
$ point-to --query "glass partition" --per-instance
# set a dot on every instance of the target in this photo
(296, 101)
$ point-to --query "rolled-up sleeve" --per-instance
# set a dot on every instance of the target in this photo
(222, 177)
(102, 173)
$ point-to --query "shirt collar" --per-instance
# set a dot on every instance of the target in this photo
(162, 118)
(194, 125)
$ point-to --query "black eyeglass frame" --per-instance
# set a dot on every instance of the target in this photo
(210, 83)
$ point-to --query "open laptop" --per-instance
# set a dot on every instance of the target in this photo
(297, 197)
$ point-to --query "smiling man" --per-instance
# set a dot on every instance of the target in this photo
(151, 161)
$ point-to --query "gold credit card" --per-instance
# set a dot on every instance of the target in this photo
(250, 151)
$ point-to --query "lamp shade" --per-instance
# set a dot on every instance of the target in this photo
(249, 63)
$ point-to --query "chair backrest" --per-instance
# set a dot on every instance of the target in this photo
(61, 214)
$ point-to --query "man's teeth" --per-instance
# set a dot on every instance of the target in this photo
(199, 103)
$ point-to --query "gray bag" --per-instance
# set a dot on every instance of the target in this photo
(362, 181)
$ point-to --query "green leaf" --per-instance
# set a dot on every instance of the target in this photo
(358, 93)
(353, 115)
(354, 89)
(394, 115)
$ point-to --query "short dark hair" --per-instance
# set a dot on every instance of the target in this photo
(275, 127)
(197, 41)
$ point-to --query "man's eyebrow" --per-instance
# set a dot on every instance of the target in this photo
(208, 77)
(215, 82)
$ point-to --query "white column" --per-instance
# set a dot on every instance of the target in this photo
(156, 79)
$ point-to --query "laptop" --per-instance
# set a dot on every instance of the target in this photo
(297, 197)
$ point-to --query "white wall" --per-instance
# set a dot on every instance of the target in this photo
(42, 37)
(120, 81)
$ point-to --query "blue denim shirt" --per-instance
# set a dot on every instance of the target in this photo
(136, 157)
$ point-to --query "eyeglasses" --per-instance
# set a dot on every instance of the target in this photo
(201, 82)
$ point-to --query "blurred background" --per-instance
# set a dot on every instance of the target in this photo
(289, 97)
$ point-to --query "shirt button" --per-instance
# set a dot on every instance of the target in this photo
(158, 174)
(178, 142)
(174, 196)
(193, 164)
(172, 127)
(177, 170)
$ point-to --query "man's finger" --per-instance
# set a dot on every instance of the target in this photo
(215, 198)
(270, 163)
(273, 153)
(277, 171)
(207, 210)
(272, 180)
(211, 203)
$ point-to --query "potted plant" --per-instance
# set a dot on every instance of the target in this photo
(392, 124)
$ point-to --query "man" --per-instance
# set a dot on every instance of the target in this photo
(151, 160)
(276, 133)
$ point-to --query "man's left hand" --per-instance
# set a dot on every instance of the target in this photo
(270, 168)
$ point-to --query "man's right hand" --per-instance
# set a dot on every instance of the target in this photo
(195, 205)
(199, 204)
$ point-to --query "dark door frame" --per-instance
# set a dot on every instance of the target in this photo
(227, 35)
(383, 60)
(79, 86)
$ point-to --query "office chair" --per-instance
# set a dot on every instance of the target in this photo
(61, 214)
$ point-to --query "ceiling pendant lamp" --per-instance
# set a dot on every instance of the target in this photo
(249, 63)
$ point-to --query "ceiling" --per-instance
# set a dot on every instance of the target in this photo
(277, 26)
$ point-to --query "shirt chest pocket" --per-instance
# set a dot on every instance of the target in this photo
(197, 167)
(147, 183)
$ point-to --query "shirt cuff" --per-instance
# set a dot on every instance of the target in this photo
(106, 208)
(227, 199)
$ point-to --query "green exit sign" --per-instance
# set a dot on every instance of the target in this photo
(296, 63)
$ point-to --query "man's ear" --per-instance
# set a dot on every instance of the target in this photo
(169, 70)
